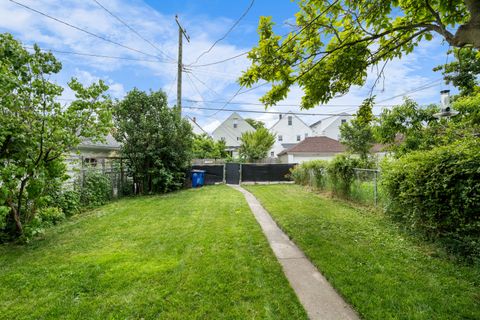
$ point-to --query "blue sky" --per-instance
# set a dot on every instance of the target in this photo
(205, 21)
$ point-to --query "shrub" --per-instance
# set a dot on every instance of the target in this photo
(95, 190)
(341, 174)
(310, 173)
(50, 216)
(69, 202)
(438, 191)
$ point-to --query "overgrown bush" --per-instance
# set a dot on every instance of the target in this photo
(69, 202)
(312, 173)
(96, 189)
(438, 191)
(341, 174)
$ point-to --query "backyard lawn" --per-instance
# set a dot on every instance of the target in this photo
(383, 272)
(195, 254)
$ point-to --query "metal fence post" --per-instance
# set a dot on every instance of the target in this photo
(375, 192)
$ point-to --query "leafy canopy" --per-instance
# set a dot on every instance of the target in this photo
(256, 144)
(204, 147)
(36, 131)
(336, 42)
(156, 141)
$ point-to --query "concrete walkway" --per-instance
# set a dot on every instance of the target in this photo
(317, 296)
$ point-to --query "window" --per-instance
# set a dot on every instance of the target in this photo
(90, 162)
(298, 137)
(280, 116)
(238, 138)
(223, 139)
(344, 120)
(289, 120)
(280, 138)
(235, 123)
(272, 154)
(306, 135)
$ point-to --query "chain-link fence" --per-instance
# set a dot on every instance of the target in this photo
(366, 187)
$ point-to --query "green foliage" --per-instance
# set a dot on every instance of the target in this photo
(335, 43)
(408, 127)
(96, 189)
(312, 173)
(51, 215)
(69, 202)
(357, 134)
(156, 141)
(36, 130)
(463, 72)
(257, 124)
(341, 174)
(255, 145)
(437, 192)
(204, 147)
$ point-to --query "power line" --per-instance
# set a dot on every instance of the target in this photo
(277, 105)
(81, 29)
(272, 112)
(227, 33)
(97, 55)
(220, 61)
(133, 30)
(428, 85)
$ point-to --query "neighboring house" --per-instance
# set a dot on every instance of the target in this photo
(231, 131)
(319, 148)
(94, 154)
(312, 148)
(330, 127)
(195, 126)
(289, 130)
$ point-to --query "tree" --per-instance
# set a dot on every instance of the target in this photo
(464, 71)
(357, 134)
(255, 144)
(36, 131)
(204, 147)
(408, 127)
(156, 141)
(336, 42)
(255, 123)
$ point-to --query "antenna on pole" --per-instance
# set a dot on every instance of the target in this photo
(181, 33)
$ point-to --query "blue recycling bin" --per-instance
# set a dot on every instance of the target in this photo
(198, 178)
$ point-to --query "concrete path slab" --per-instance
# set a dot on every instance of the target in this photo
(317, 296)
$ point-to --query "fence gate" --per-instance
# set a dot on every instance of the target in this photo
(232, 173)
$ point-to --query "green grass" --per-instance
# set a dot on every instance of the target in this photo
(382, 271)
(195, 254)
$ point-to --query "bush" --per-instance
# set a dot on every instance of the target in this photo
(50, 216)
(312, 173)
(95, 190)
(341, 174)
(69, 202)
(438, 191)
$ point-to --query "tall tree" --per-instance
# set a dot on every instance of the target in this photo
(357, 134)
(335, 42)
(156, 141)
(464, 71)
(36, 131)
(256, 144)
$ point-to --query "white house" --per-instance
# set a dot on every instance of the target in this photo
(312, 148)
(330, 127)
(231, 131)
(195, 126)
(289, 130)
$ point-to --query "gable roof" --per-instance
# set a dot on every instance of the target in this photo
(109, 144)
(234, 114)
(316, 145)
(325, 122)
(292, 114)
(194, 124)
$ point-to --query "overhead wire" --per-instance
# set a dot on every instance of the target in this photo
(133, 30)
(83, 30)
(227, 33)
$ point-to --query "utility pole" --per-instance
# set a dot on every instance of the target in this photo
(181, 33)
